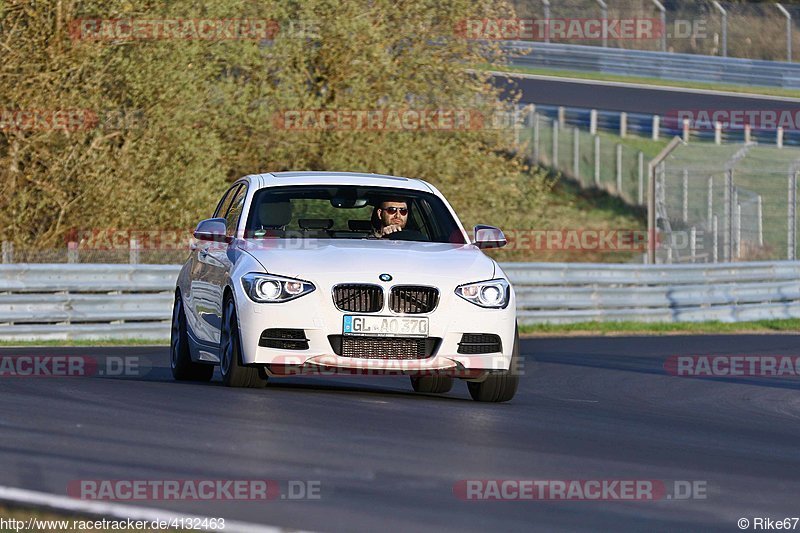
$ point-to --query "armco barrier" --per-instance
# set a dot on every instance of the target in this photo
(91, 301)
(664, 65)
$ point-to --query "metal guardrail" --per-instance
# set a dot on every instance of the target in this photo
(92, 301)
(663, 65)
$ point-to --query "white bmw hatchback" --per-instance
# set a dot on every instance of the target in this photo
(293, 275)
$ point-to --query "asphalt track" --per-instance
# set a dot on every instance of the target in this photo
(648, 99)
(387, 459)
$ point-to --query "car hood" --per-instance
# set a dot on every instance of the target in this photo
(366, 259)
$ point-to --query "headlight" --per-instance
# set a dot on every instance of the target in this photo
(266, 288)
(493, 293)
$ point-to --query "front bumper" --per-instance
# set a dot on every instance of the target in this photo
(318, 317)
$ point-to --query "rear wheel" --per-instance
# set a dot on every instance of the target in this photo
(499, 386)
(433, 384)
(183, 368)
(234, 373)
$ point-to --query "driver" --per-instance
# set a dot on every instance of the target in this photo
(392, 216)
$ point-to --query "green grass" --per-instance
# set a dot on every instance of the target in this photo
(99, 342)
(616, 328)
(745, 89)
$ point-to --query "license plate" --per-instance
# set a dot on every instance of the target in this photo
(385, 326)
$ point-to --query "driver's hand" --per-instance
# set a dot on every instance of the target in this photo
(391, 229)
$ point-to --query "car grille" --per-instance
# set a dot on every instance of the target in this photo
(284, 339)
(358, 298)
(409, 299)
(383, 347)
(477, 343)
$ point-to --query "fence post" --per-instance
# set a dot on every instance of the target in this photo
(747, 133)
(717, 133)
(535, 137)
(576, 154)
(8, 252)
(597, 161)
(623, 124)
(663, 13)
(72, 252)
(686, 130)
(593, 122)
(693, 244)
(724, 28)
(619, 169)
(791, 240)
(546, 4)
(656, 127)
(779, 137)
(788, 31)
(555, 144)
(640, 192)
(604, 21)
(685, 191)
(715, 239)
(760, 221)
(710, 200)
(738, 228)
(727, 218)
(133, 254)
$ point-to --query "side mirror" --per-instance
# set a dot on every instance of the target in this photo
(211, 229)
(489, 237)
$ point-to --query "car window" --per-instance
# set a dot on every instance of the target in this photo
(345, 212)
(234, 211)
(225, 202)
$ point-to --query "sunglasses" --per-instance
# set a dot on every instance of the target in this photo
(393, 210)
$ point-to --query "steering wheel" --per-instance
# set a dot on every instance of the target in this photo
(406, 235)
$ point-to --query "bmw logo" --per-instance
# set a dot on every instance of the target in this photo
(385, 277)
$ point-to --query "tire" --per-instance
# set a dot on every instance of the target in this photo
(183, 368)
(499, 386)
(432, 384)
(234, 373)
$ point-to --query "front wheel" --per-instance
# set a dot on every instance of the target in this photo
(234, 373)
(432, 384)
(183, 368)
(499, 386)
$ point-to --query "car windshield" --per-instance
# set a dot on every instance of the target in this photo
(347, 212)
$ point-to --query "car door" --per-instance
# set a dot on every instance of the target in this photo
(220, 258)
(203, 304)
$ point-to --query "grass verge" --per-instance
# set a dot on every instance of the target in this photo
(744, 89)
(644, 328)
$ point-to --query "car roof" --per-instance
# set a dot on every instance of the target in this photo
(274, 179)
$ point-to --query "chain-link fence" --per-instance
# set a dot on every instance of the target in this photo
(734, 202)
(736, 29)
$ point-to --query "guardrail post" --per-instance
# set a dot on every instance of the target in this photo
(760, 221)
(555, 144)
(535, 137)
(779, 137)
(791, 240)
(640, 191)
(656, 127)
(686, 130)
(597, 161)
(562, 116)
(576, 154)
(685, 195)
(717, 133)
(747, 133)
(788, 31)
(619, 169)
(72, 252)
(593, 121)
(133, 255)
(715, 239)
(8, 252)
(710, 200)
(724, 28)
(623, 124)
